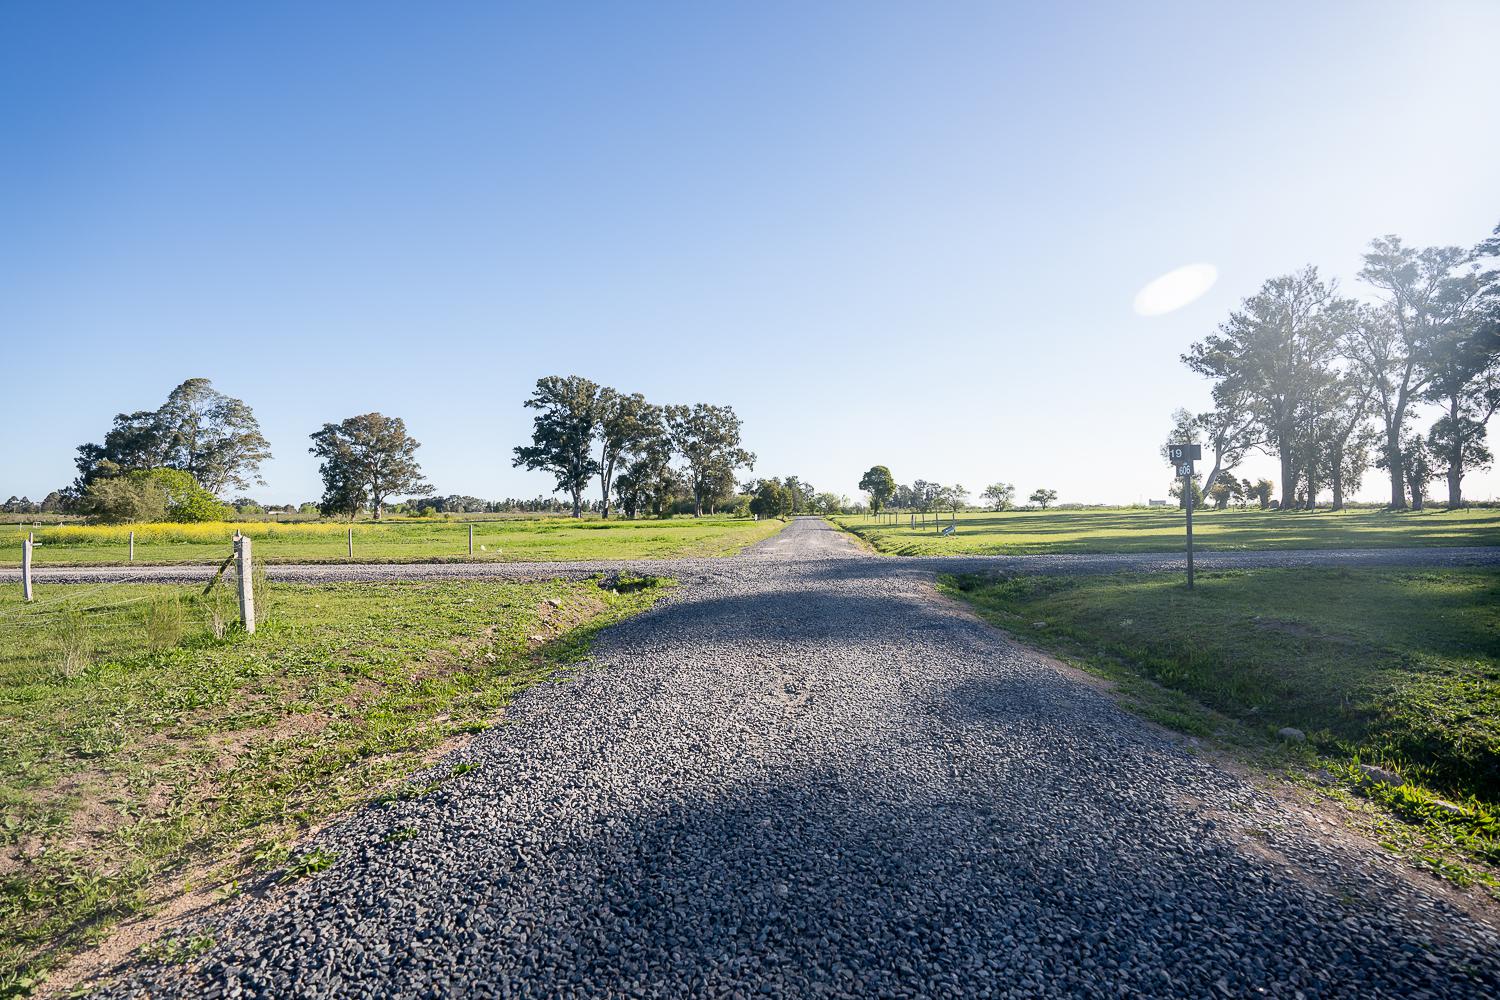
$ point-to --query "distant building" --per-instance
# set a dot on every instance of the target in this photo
(1157, 503)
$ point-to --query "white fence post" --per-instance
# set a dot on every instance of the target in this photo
(471, 539)
(26, 568)
(351, 541)
(243, 568)
(132, 546)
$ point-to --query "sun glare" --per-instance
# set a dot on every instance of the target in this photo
(1175, 289)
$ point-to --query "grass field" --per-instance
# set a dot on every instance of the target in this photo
(503, 540)
(1162, 530)
(143, 751)
(1395, 668)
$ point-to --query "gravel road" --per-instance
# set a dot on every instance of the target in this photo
(792, 544)
(801, 777)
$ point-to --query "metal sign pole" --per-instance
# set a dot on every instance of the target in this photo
(1183, 456)
(1187, 484)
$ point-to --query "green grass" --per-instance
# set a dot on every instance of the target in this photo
(550, 539)
(139, 752)
(1397, 668)
(1162, 530)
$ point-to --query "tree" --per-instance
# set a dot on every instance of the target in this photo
(829, 503)
(920, 495)
(801, 494)
(880, 485)
(1456, 447)
(999, 496)
(213, 437)
(365, 460)
(649, 481)
(1226, 488)
(709, 438)
(771, 500)
(151, 495)
(1272, 355)
(1175, 491)
(1464, 370)
(1419, 471)
(1335, 438)
(1430, 305)
(1262, 491)
(1230, 428)
(626, 423)
(1044, 498)
(562, 433)
(136, 442)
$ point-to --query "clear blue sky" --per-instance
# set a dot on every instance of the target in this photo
(908, 234)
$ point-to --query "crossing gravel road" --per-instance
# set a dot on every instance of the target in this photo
(806, 774)
(790, 544)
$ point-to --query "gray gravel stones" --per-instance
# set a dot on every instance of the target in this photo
(852, 563)
(807, 776)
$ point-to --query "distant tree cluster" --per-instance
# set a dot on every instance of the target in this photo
(584, 432)
(883, 491)
(174, 462)
(1327, 384)
(52, 503)
(783, 497)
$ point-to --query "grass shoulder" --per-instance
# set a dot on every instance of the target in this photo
(150, 750)
(1391, 670)
(1096, 531)
(551, 539)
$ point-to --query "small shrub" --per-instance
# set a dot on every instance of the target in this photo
(164, 622)
(174, 950)
(309, 863)
(260, 589)
(73, 645)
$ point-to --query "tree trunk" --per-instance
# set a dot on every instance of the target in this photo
(578, 503)
(1288, 478)
(606, 475)
(1337, 460)
(1395, 465)
(1455, 458)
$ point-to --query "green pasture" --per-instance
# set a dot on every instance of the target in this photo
(1399, 668)
(1137, 529)
(552, 539)
(149, 747)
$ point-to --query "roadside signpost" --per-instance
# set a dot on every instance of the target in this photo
(1182, 457)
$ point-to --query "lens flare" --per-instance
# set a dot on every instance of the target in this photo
(1175, 289)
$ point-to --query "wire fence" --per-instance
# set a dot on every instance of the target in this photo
(941, 521)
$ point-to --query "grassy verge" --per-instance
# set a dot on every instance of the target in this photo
(144, 744)
(553, 539)
(1394, 669)
(1027, 532)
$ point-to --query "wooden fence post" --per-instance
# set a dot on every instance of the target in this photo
(26, 568)
(351, 541)
(471, 538)
(243, 568)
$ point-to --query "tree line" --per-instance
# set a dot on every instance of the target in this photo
(1327, 383)
(174, 462)
(584, 433)
(925, 497)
